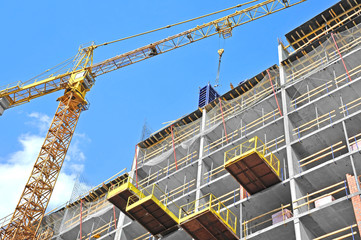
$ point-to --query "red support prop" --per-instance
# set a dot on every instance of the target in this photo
(175, 157)
(339, 53)
(136, 166)
(115, 219)
(274, 92)
(224, 124)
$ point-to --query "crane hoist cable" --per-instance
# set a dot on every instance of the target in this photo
(220, 53)
(69, 60)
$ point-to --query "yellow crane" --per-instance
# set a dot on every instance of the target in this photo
(77, 82)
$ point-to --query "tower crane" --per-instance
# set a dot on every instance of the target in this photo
(76, 82)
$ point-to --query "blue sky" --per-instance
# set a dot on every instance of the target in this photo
(38, 35)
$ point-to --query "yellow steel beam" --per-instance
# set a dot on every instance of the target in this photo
(31, 207)
(219, 26)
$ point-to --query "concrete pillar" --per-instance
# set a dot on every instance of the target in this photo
(351, 157)
(282, 55)
(356, 200)
(120, 223)
(201, 146)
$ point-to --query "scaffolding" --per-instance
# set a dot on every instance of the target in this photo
(253, 165)
(276, 216)
(208, 218)
(335, 191)
(343, 233)
(153, 209)
(119, 193)
(222, 164)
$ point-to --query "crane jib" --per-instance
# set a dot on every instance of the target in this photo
(30, 210)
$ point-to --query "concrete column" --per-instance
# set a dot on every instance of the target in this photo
(240, 219)
(351, 157)
(121, 220)
(201, 146)
(282, 55)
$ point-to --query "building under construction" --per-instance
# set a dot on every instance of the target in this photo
(276, 157)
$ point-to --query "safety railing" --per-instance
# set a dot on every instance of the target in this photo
(180, 134)
(127, 183)
(86, 211)
(145, 236)
(308, 201)
(310, 94)
(220, 170)
(181, 190)
(151, 178)
(325, 88)
(235, 106)
(278, 215)
(120, 183)
(323, 120)
(11, 86)
(103, 228)
(342, 233)
(157, 195)
(91, 195)
(350, 107)
(324, 54)
(355, 142)
(251, 146)
(322, 154)
(242, 131)
(208, 203)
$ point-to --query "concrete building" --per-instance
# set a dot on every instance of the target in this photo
(273, 158)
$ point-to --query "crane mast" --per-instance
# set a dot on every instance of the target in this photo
(77, 82)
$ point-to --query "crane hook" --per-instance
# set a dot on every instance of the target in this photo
(220, 53)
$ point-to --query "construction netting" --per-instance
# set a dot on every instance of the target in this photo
(330, 48)
(178, 149)
(92, 215)
(224, 111)
(181, 146)
(87, 208)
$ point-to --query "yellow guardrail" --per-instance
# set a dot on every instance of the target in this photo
(120, 183)
(208, 203)
(126, 183)
(254, 145)
(153, 192)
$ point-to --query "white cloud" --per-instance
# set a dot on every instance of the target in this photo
(42, 121)
(15, 171)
